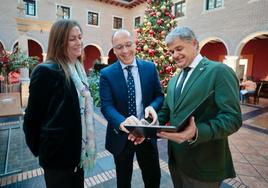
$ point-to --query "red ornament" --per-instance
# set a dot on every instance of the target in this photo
(153, 13)
(159, 22)
(143, 41)
(151, 32)
(138, 30)
(168, 69)
(151, 52)
(138, 48)
(167, 13)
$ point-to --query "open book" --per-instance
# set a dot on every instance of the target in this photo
(149, 131)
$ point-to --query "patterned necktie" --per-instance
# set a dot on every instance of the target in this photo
(177, 93)
(131, 93)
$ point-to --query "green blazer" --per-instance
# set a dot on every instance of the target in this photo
(209, 158)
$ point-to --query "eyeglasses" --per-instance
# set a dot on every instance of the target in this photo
(127, 45)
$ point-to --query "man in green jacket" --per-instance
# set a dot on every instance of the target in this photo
(199, 155)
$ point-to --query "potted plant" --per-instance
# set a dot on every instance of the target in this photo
(19, 61)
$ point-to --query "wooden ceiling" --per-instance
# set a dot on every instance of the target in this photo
(123, 3)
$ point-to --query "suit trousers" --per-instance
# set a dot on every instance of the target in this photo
(64, 178)
(148, 160)
(181, 180)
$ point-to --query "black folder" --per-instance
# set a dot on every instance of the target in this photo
(149, 131)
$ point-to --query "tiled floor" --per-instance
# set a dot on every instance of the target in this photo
(249, 147)
(249, 150)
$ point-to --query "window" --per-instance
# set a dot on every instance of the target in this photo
(137, 21)
(212, 4)
(93, 18)
(66, 11)
(118, 23)
(180, 9)
(30, 7)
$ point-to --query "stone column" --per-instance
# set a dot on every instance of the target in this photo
(24, 78)
(44, 56)
(23, 42)
(104, 60)
(24, 93)
(233, 62)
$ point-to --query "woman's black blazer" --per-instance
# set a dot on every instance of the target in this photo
(52, 122)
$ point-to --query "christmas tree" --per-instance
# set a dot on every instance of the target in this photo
(158, 21)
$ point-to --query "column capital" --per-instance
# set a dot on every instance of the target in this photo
(104, 60)
(231, 57)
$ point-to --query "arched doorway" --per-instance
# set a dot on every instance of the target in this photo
(214, 50)
(92, 54)
(254, 52)
(3, 59)
(15, 46)
(112, 57)
(34, 49)
(2, 52)
(1, 46)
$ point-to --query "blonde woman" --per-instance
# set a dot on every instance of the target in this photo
(58, 122)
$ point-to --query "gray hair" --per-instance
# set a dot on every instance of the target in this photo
(183, 33)
(121, 31)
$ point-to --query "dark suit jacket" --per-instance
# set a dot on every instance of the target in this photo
(52, 122)
(113, 93)
(209, 158)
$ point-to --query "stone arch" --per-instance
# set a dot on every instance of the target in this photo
(35, 49)
(252, 51)
(2, 51)
(14, 45)
(37, 41)
(111, 57)
(96, 45)
(246, 39)
(92, 54)
(2, 45)
(214, 48)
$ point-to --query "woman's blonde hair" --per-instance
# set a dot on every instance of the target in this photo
(58, 43)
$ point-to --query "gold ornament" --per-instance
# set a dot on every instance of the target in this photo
(158, 14)
(145, 47)
(163, 8)
(160, 49)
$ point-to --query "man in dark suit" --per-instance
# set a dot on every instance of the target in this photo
(199, 156)
(119, 108)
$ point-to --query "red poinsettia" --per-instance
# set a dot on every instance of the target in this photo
(4, 63)
(11, 63)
